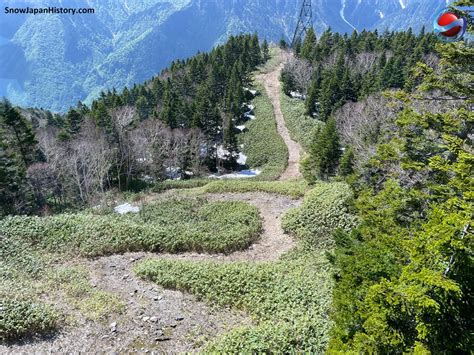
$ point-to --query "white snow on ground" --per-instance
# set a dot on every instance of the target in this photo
(242, 159)
(240, 128)
(297, 95)
(253, 92)
(222, 153)
(402, 4)
(381, 14)
(173, 172)
(126, 208)
(341, 12)
(238, 174)
(249, 116)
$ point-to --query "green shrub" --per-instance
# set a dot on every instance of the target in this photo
(22, 318)
(168, 226)
(301, 126)
(263, 145)
(324, 209)
(179, 184)
(289, 299)
(293, 189)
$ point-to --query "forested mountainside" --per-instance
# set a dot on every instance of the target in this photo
(54, 61)
(368, 250)
(180, 123)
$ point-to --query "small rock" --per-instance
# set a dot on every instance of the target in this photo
(157, 298)
(132, 260)
(145, 319)
(113, 327)
(163, 338)
(154, 319)
(179, 318)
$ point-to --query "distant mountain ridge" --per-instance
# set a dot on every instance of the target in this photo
(53, 61)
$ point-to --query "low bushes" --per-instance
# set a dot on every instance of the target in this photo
(169, 226)
(179, 184)
(22, 318)
(288, 299)
(324, 209)
(293, 189)
(301, 127)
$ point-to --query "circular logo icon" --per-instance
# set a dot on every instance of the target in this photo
(448, 26)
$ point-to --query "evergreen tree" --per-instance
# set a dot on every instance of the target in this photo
(346, 167)
(309, 44)
(265, 51)
(312, 98)
(325, 151)
(21, 134)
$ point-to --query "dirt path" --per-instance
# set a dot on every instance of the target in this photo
(155, 320)
(271, 82)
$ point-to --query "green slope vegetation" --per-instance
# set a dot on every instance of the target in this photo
(289, 299)
(302, 127)
(263, 146)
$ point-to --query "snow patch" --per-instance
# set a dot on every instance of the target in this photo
(249, 116)
(381, 14)
(126, 208)
(173, 173)
(241, 128)
(242, 159)
(238, 174)
(297, 95)
(253, 92)
(341, 13)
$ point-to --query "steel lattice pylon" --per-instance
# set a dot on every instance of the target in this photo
(305, 22)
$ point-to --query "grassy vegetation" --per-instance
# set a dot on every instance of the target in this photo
(169, 226)
(293, 189)
(179, 184)
(288, 299)
(263, 146)
(28, 274)
(271, 63)
(74, 282)
(300, 126)
(324, 209)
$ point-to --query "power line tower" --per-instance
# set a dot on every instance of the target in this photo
(305, 22)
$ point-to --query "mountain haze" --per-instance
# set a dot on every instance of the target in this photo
(53, 61)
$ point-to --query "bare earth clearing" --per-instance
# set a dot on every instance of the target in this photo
(159, 320)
